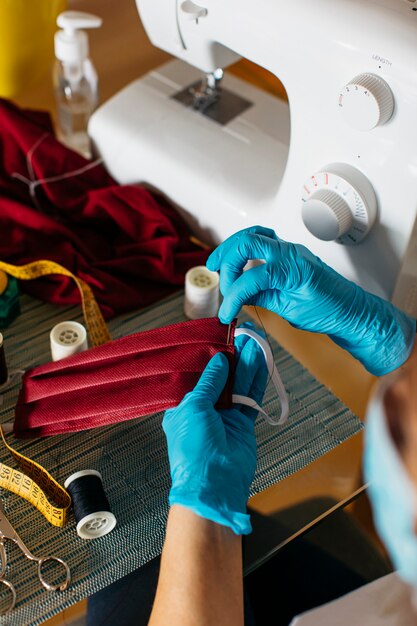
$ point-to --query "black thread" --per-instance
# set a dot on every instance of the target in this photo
(88, 496)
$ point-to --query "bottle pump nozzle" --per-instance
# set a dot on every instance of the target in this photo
(71, 43)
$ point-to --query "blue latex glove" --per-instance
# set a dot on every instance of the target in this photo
(212, 453)
(310, 295)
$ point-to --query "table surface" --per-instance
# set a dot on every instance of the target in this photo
(122, 52)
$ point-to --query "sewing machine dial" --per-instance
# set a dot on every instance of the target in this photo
(366, 102)
(339, 204)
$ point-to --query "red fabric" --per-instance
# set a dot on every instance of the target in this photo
(130, 246)
(130, 377)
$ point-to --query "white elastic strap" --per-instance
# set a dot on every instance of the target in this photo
(274, 377)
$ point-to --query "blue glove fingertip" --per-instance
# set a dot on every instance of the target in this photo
(213, 379)
(218, 360)
(224, 315)
(212, 262)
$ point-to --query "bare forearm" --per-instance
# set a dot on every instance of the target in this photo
(200, 581)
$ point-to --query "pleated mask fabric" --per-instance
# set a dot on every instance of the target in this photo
(127, 378)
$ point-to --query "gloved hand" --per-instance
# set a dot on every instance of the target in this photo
(212, 454)
(310, 295)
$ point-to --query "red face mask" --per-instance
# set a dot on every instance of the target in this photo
(130, 377)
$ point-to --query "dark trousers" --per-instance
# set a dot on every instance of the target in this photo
(330, 561)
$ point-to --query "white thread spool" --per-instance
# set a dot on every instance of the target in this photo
(67, 338)
(201, 293)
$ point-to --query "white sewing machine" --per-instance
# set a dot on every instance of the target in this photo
(336, 169)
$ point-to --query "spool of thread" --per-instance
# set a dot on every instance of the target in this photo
(201, 293)
(89, 504)
(67, 338)
(4, 374)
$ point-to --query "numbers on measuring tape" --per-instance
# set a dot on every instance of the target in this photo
(36, 485)
(97, 328)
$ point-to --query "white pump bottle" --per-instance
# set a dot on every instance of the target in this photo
(75, 79)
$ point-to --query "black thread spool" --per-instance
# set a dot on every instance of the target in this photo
(89, 504)
(4, 374)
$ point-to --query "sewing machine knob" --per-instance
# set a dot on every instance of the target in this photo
(192, 10)
(339, 204)
(366, 102)
(326, 215)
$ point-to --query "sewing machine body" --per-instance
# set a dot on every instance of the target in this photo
(267, 160)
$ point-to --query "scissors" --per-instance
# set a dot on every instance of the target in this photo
(8, 532)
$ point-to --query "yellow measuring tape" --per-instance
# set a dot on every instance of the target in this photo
(97, 329)
(33, 482)
(36, 485)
